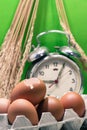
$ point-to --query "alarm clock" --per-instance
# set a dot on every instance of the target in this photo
(59, 72)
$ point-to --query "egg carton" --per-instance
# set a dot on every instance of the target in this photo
(71, 121)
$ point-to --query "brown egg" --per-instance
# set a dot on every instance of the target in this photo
(32, 89)
(75, 101)
(52, 105)
(22, 107)
(4, 104)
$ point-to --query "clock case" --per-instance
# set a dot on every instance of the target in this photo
(39, 53)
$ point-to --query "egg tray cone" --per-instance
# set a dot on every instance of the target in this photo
(71, 121)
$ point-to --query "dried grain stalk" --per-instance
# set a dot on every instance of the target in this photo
(11, 61)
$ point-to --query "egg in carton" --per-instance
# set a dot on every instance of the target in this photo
(47, 122)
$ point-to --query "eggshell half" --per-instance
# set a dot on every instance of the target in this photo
(32, 89)
(22, 107)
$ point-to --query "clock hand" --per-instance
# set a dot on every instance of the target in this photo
(49, 81)
(60, 72)
(52, 84)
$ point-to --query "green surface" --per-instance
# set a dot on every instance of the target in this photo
(7, 10)
(47, 19)
(76, 11)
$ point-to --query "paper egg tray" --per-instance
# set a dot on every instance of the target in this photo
(71, 121)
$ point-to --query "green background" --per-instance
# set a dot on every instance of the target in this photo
(7, 10)
(76, 11)
(47, 19)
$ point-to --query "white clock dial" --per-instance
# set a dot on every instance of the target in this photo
(59, 73)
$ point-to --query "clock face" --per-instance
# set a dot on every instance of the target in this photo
(59, 73)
